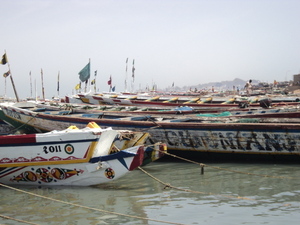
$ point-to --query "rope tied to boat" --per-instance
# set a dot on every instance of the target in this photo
(17, 128)
(202, 165)
(168, 185)
(87, 207)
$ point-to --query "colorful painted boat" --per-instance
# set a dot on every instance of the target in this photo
(195, 134)
(69, 157)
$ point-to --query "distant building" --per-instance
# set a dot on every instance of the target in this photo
(296, 80)
(295, 85)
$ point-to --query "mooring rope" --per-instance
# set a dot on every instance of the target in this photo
(229, 170)
(22, 221)
(168, 185)
(87, 207)
(17, 128)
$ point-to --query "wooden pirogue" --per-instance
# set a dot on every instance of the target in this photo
(266, 136)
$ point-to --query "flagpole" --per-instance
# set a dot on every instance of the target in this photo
(5, 89)
(42, 78)
(58, 85)
(11, 79)
(30, 84)
(89, 83)
(126, 76)
(86, 82)
(95, 81)
(132, 84)
(110, 83)
(35, 90)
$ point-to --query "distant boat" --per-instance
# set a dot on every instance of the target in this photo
(157, 101)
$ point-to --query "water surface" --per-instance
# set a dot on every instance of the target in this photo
(253, 193)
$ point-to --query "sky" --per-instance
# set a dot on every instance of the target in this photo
(185, 42)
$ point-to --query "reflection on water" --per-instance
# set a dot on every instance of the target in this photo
(228, 197)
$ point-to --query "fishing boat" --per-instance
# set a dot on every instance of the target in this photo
(276, 111)
(267, 136)
(231, 102)
(74, 157)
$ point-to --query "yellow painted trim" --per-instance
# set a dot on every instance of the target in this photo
(85, 100)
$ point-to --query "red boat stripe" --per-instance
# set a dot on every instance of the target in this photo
(17, 139)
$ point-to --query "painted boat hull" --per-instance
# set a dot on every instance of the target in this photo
(246, 138)
(231, 103)
(68, 157)
(98, 171)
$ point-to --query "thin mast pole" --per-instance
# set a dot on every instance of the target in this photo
(35, 90)
(5, 88)
(43, 91)
(30, 84)
(133, 69)
(126, 76)
(11, 79)
(58, 85)
(95, 81)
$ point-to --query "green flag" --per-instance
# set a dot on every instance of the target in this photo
(84, 74)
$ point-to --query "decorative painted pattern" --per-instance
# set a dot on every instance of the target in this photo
(45, 175)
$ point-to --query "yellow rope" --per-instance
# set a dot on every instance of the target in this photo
(87, 207)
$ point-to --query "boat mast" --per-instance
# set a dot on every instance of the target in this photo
(30, 84)
(132, 84)
(126, 76)
(11, 79)
(43, 90)
(58, 85)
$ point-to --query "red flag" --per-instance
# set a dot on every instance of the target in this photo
(109, 81)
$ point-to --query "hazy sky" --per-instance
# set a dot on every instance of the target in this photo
(187, 42)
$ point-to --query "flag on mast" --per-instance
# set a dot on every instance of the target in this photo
(109, 81)
(84, 74)
(78, 86)
(4, 59)
(6, 74)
